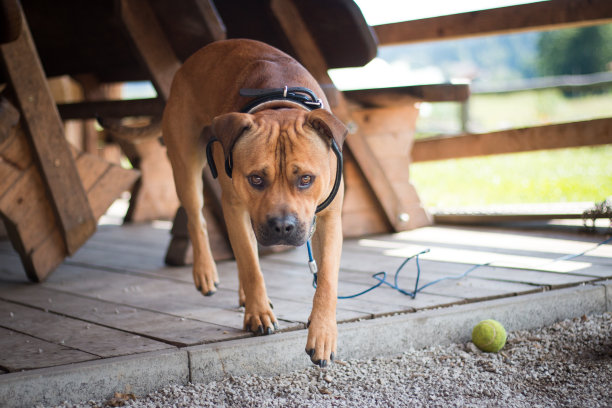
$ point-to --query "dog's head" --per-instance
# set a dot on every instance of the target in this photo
(282, 167)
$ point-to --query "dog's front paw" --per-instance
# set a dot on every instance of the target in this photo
(206, 279)
(259, 318)
(322, 340)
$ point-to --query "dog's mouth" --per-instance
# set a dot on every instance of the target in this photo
(285, 230)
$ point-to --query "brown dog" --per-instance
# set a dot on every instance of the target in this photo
(280, 168)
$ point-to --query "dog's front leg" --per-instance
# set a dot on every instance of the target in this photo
(327, 248)
(258, 315)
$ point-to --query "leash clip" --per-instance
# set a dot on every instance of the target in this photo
(312, 265)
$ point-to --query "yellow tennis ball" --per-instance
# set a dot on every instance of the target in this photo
(489, 335)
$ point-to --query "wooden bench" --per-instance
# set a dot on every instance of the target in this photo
(50, 195)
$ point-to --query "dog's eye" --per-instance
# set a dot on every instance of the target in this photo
(306, 181)
(256, 181)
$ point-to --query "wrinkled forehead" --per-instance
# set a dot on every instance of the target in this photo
(282, 129)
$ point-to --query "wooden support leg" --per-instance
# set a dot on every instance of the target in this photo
(45, 132)
(154, 195)
(308, 53)
(298, 34)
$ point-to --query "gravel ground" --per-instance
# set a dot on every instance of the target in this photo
(568, 364)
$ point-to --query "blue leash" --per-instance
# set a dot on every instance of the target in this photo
(381, 277)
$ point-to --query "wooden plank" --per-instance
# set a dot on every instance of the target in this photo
(535, 258)
(389, 133)
(545, 15)
(151, 42)
(28, 208)
(90, 169)
(368, 258)
(175, 330)
(511, 213)
(11, 270)
(9, 117)
(150, 237)
(132, 285)
(29, 216)
(76, 334)
(177, 298)
(378, 302)
(359, 270)
(154, 195)
(361, 213)
(409, 95)
(310, 56)
(111, 109)
(514, 242)
(27, 352)
(15, 150)
(288, 286)
(45, 131)
(563, 135)
(214, 24)
(109, 186)
(200, 24)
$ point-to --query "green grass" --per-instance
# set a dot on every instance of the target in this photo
(564, 175)
(521, 109)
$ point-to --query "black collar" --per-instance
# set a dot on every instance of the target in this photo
(299, 95)
(303, 96)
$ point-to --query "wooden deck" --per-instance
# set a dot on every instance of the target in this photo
(116, 297)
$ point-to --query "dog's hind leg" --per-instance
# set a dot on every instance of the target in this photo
(188, 161)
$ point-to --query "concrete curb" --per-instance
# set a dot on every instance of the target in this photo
(98, 379)
(392, 335)
(277, 354)
(608, 287)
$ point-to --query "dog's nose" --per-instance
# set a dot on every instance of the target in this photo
(281, 230)
(282, 227)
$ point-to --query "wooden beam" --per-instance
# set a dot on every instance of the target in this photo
(214, 25)
(402, 95)
(9, 116)
(298, 34)
(45, 132)
(513, 213)
(574, 134)
(545, 15)
(111, 109)
(155, 50)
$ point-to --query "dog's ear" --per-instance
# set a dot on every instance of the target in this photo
(328, 125)
(227, 128)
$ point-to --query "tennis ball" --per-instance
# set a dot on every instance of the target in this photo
(489, 335)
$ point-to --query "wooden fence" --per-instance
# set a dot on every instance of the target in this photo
(547, 15)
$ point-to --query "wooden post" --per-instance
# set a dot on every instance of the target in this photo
(45, 132)
(310, 56)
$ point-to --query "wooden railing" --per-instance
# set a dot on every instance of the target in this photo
(545, 15)
(552, 14)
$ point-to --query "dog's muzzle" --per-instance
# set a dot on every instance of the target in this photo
(282, 230)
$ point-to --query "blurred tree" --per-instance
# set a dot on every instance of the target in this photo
(575, 51)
